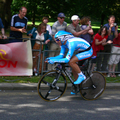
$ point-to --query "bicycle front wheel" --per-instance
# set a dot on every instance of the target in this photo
(93, 87)
(52, 85)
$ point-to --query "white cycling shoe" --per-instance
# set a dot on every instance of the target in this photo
(80, 79)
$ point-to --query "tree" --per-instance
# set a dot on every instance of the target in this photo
(5, 12)
(99, 10)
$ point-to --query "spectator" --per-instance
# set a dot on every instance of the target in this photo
(112, 32)
(48, 28)
(2, 31)
(98, 44)
(85, 21)
(18, 25)
(60, 24)
(74, 27)
(43, 35)
(114, 59)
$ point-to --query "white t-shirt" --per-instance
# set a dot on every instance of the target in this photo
(48, 28)
(39, 37)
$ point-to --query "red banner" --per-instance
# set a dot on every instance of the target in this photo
(16, 59)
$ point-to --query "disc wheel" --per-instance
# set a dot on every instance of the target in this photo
(92, 88)
(49, 89)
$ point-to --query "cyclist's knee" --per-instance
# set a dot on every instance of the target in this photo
(71, 62)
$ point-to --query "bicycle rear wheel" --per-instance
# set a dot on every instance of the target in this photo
(93, 87)
(52, 85)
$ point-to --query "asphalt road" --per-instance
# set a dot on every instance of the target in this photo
(27, 105)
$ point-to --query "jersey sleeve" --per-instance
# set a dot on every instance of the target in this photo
(61, 55)
(12, 21)
(70, 52)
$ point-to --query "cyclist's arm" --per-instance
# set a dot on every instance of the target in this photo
(61, 55)
(68, 56)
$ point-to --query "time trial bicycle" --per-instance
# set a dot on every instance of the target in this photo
(53, 84)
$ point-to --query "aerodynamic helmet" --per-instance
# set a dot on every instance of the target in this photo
(63, 35)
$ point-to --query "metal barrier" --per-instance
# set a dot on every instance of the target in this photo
(48, 51)
(99, 53)
(102, 56)
(43, 60)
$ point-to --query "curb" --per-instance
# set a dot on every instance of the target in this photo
(18, 86)
(33, 86)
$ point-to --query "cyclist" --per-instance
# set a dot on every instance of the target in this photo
(67, 41)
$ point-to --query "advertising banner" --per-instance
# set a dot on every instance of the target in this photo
(16, 59)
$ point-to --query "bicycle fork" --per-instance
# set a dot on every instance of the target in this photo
(55, 80)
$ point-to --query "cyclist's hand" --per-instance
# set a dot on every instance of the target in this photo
(51, 61)
(46, 60)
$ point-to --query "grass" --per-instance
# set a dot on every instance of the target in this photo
(19, 79)
(35, 79)
(113, 80)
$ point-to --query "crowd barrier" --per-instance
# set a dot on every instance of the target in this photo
(44, 69)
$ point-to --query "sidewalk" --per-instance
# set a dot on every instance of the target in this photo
(33, 86)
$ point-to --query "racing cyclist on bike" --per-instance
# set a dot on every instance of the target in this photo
(67, 41)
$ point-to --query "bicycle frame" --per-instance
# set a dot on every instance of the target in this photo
(64, 71)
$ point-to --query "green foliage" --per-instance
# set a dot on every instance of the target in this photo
(98, 10)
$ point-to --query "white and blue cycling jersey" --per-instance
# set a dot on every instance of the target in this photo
(83, 48)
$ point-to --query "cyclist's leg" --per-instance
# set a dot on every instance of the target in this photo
(82, 56)
(76, 70)
(75, 67)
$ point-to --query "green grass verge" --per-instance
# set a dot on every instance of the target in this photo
(35, 79)
(19, 79)
(113, 80)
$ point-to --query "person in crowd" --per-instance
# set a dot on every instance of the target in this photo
(67, 41)
(85, 21)
(18, 25)
(74, 27)
(3, 36)
(48, 28)
(98, 44)
(43, 38)
(60, 24)
(112, 32)
(115, 57)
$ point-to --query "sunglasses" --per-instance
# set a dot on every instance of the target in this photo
(57, 39)
(62, 18)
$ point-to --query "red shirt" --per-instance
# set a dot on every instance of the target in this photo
(97, 48)
(116, 41)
